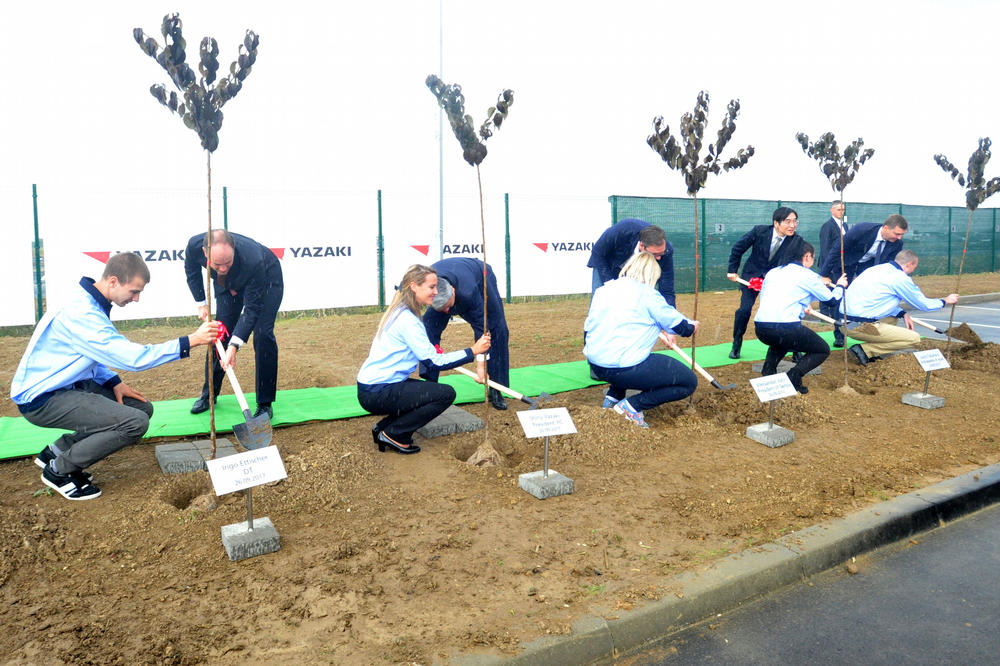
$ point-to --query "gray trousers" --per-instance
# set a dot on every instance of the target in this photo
(101, 425)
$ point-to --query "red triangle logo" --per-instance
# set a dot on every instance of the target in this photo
(544, 247)
(279, 252)
(100, 256)
(422, 249)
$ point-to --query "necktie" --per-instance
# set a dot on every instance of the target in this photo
(878, 252)
(775, 244)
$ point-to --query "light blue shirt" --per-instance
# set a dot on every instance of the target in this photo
(877, 291)
(79, 343)
(624, 321)
(398, 350)
(788, 290)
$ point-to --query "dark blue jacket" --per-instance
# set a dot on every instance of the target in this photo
(466, 278)
(254, 269)
(758, 241)
(857, 240)
(617, 244)
(829, 237)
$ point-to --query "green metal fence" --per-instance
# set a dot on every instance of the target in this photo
(936, 233)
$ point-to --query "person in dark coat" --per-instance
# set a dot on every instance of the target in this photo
(829, 239)
(866, 244)
(617, 245)
(248, 291)
(460, 292)
(770, 247)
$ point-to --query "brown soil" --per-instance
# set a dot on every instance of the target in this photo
(402, 559)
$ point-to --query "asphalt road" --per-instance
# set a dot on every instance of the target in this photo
(932, 599)
(983, 318)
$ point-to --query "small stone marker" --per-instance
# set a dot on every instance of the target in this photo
(768, 389)
(785, 366)
(244, 471)
(930, 360)
(184, 457)
(546, 482)
(450, 421)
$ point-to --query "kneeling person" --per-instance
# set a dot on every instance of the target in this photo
(625, 319)
(63, 380)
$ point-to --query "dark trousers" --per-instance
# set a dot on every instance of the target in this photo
(742, 318)
(660, 378)
(408, 405)
(782, 338)
(101, 425)
(265, 345)
(498, 364)
(831, 308)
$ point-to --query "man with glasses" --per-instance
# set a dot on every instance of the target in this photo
(617, 245)
(248, 291)
(770, 247)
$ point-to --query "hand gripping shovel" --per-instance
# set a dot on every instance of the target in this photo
(701, 370)
(256, 432)
(542, 397)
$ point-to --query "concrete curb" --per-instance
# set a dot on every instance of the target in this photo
(978, 298)
(758, 571)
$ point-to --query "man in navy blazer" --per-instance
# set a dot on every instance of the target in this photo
(460, 292)
(770, 247)
(866, 244)
(617, 245)
(829, 238)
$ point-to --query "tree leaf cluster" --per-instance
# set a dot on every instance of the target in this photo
(977, 189)
(682, 152)
(451, 99)
(839, 169)
(200, 105)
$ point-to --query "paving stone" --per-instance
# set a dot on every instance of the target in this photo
(184, 457)
(773, 436)
(542, 486)
(924, 400)
(785, 366)
(241, 543)
(452, 420)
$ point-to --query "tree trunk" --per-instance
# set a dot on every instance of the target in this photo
(958, 282)
(208, 301)
(696, 262)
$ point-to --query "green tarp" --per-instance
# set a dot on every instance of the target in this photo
(172, 418)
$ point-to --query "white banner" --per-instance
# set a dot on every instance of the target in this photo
(16, 269)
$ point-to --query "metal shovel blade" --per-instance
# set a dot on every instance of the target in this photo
(536, 403)
(255, 433)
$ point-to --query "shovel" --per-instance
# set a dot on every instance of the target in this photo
(919, 322)
(256, 432)
(542, 397)
(701, 370)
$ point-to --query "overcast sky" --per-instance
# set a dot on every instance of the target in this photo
(337, 100)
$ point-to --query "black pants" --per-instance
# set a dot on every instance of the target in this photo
(831, 308)
(742, 318)
(408, 405)
(782, 338)
(265, 344)
(660, 378)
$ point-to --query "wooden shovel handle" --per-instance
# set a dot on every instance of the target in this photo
(493, 384)
(680, 352)
(232, 379)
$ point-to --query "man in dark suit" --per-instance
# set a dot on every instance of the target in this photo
(617, 245)
(460, 292)
(248, 291)
(829, 238)
(866, 244)
(770, 247)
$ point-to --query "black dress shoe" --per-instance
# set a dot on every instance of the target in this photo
(384, 441)
(734, 353)
(375, 431)
(497, 400)
(839, 344)
(264, 409)
(859, 354)
(201, 404)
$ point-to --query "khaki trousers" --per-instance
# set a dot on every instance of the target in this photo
(890, 338)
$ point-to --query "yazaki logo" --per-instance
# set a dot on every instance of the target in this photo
(452, 248)
(300, 252)
(147, 255)
(564, 246)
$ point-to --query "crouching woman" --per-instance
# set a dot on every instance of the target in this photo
(384, 382)
(625, 319)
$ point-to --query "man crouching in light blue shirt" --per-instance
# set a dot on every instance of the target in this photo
(876, 294)
(64, 380)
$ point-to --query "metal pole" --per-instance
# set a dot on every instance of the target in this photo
(993, 244)
(225, 208)
(249, 509)
(380, 255)
(614, 209)
(927, 382)
(770, 413)
(440, 134)
(37, 256)
(545, 472)
(506, 222)
(704, 245)
(948, 266)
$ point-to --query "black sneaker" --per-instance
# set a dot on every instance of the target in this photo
(71, 486)
(45, 456)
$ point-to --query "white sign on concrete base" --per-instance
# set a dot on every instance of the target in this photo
(546, 483)
(246, 470)
(768, 389)
(931, 359)
(773, 387)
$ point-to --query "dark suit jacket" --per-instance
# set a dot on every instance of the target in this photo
(617, 244)
(829, 237)
(857, 240)
(758, 241)
(254, 269)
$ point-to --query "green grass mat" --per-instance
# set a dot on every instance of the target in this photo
(172, 418)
